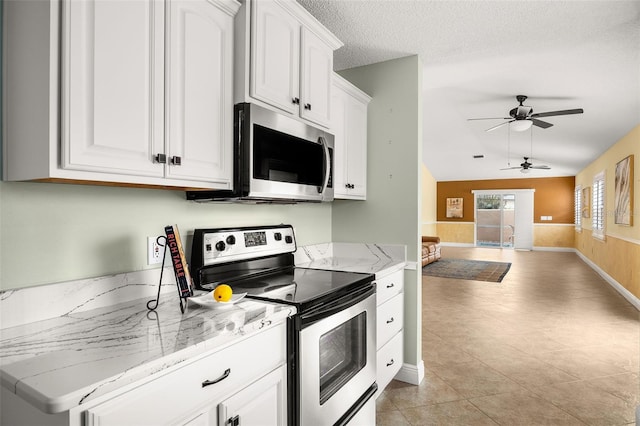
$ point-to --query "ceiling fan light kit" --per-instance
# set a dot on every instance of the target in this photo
(521, 125)
(522, 117)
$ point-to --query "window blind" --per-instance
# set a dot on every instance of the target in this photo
(598, 212)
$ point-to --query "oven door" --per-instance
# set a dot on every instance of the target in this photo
(337, 358)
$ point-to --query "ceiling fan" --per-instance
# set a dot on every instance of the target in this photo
(527, 166)
(523, 117)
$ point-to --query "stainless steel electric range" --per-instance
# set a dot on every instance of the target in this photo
(331, 340)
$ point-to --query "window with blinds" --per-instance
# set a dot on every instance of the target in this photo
(597, 206)
(577, 205)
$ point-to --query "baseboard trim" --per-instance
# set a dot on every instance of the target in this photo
(445, 244)
(412, 374)
(564, 249)
(612, 282)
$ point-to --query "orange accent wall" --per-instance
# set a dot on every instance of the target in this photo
(552, 197)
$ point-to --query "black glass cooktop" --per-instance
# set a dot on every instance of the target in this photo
(301, 287)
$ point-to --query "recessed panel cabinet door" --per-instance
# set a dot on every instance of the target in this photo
(316, 70)
(356, 136)
(112, 68)
(199, 92)
(338, 128)
(259, 404)
(275, 59)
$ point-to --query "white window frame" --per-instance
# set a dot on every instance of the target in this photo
(598, 206)
(577, 205)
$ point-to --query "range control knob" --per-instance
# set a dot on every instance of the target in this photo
(231, 240)
(220, 246)
(288, 239)
(277, 236)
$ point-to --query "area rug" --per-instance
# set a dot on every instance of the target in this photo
(462, 269)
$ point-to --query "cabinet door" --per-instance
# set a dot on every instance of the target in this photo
(316, 71)
(356, 137)
(112, 86)
(275, 51)
(263, 403)
(349, 126)
(199, 92)
(338, 128)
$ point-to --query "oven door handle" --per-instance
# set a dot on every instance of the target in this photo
(345, 302)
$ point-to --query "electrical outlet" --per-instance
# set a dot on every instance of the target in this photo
(154, 251)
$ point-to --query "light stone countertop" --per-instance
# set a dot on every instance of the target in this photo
(86, 338)
(59, 363)
(378, 259)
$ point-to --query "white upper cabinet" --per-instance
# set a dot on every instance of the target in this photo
(349, 125)
(275, 56)
(112, 89)
(316, 70)
(136, 92)
(199, 92)
(287, 58)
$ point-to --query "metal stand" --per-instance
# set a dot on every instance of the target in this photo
(183, 304)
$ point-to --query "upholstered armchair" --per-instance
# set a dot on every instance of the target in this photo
(430, 249)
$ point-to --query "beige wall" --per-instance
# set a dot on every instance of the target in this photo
(457, 233)
(619, 254)
(553, 236)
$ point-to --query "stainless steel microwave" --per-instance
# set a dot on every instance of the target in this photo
(276, 158)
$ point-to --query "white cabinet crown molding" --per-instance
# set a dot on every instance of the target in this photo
(353, 90)
(310, 22)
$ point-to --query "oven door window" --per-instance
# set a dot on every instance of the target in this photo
(343, 352)
(285, 158)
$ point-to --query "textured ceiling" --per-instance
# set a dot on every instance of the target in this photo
(478, 55)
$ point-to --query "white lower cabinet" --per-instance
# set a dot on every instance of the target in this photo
(240, 380)
(389, 361)
(390, 320)
(262, 403)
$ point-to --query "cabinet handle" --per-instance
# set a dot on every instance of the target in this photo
(390, 363)
(389, 321)
(160, 158)
(234, 421)
(176, 161)
(219, 379)
(307, 106)
(296, 101)
(390, 285)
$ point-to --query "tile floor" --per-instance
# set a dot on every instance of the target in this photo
(552, 344)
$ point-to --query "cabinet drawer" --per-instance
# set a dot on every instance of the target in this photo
(388, 286)
(176, 395)
(389, 319)
(390, 358)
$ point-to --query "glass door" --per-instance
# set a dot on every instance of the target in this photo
(495, 220)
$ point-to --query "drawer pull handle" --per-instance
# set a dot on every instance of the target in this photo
(390, 363)
(391, 285)
(389, 321)
(219, 379)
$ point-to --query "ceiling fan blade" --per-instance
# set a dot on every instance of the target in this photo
(499, 125)
(563, 112)
(490, 118)
(512, 168)
(540, 123)
(540, 167)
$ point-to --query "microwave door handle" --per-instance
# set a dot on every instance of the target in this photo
(327, 165)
